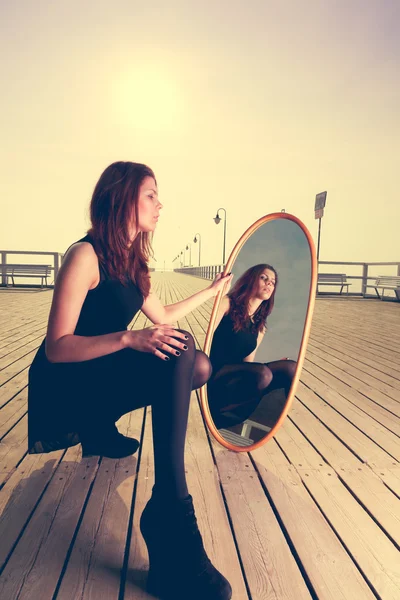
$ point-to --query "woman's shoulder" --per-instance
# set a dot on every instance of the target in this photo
(82, 248)
(225, 305)
(81, 255)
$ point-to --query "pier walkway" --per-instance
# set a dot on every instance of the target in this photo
(312, 514)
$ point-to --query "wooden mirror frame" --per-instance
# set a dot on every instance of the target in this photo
(306, 331)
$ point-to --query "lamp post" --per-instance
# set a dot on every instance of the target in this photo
(217, 220)
(189, 247)
(183, 258)
(195, 241)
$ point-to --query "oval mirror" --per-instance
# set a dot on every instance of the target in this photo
(258, 332)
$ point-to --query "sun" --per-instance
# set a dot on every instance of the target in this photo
(149, 99)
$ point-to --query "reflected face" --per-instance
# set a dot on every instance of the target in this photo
(149, 207)
(266, 285)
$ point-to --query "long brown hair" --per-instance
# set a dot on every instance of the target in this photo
(114, 199)
(240, 294)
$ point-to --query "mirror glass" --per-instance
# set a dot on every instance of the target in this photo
(250, 384)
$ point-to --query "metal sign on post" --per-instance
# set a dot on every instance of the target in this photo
(320, 201)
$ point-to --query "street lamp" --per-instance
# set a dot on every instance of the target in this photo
(183, 259)
(195, 241)
(188, 247)
(217, 220)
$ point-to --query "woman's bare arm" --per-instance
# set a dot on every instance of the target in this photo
(78, 273)
(251, 357)
(158, 313)
(223, 310)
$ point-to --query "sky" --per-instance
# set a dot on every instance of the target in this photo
(253, 107)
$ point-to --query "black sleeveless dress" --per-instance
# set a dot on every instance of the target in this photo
(62, 397)
(228, 346)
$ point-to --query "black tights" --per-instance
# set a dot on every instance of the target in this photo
(235, 391)
(170, 412)
(127, 380)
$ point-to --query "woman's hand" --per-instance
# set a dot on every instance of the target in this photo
(219, 282)
(156, 338)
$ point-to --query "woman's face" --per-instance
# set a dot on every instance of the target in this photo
(266, 284)
(148, 207)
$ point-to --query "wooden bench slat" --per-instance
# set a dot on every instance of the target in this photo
(18, 270)
(333, 279)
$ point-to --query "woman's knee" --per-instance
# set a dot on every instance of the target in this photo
(189, 342)
(190, 351)
(202, 369)
(291, 368)
(264, 377)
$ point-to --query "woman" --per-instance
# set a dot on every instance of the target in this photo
(238, 383)
(90, 370)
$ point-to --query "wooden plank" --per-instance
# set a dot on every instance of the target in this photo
(20, 495)
(385, 401)
(13, 386)
(20, 353)
(7, 353)
(95, 564)
(381, 353)
(329, 568)
(13, 448)
(356, 440)
(271, 569)
(11, 341)
(373, 552)
(364, 484)
(380, 414)
(381, 436)
(39, 528)
(351, 367)
(17, 367)
(373, 494)
(299, 451)
(13, 411)
(329, 446)
(391, 478)
(362, 362)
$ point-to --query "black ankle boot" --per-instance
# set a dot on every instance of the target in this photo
(179, 566)
(114, 445)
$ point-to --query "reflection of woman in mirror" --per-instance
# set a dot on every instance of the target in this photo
(238, 383)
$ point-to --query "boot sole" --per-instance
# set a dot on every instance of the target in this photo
(99, 452)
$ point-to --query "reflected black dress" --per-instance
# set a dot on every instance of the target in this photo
(66, 398)
(230, 348)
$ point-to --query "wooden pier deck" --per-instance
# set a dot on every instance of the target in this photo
(314, 513)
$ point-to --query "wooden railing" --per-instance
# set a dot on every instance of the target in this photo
(365, 278)
(54, 262)
(206, 272)
(368, 271)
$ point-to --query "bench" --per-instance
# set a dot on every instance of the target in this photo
(235, 438)
(12, 271)
(333, 279)
(387, 282)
